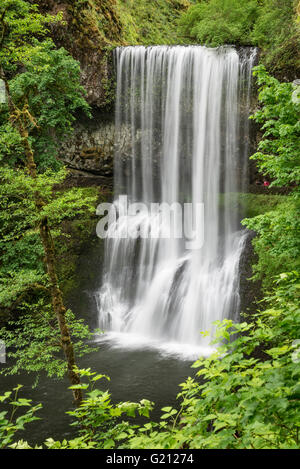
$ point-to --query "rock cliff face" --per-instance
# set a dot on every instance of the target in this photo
(90, 150)
(91, 147)
(90, 30)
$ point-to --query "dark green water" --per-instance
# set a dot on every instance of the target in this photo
(135, 374)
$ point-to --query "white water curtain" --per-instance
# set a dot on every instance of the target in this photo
(186, 111)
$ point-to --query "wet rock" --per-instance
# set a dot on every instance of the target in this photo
(90, 149)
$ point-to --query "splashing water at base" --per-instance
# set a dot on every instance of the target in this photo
(186, 112)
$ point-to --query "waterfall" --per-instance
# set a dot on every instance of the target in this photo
(183, 112)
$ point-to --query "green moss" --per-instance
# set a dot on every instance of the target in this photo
(100, 23)
(277, 242)
(251, 205)
(272, 25)
(257, 204)
(147, 23)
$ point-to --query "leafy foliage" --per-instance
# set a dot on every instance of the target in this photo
(20, 24)
(10, 424)
(278, 153)
(247, 395)
(33, 339)
(20, 246)
(45, 83)
(43, 92)
(269, 24)
(278, 157)
(51, 91)
(221, 21)
(97, 419)
(277, 242)
(151, 23)
(34, 343)
(276, 31)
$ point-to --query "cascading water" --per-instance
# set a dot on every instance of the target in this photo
(185, 110)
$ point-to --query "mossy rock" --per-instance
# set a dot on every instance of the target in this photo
(250, 205)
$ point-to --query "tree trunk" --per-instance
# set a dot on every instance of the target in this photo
(59, 309)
